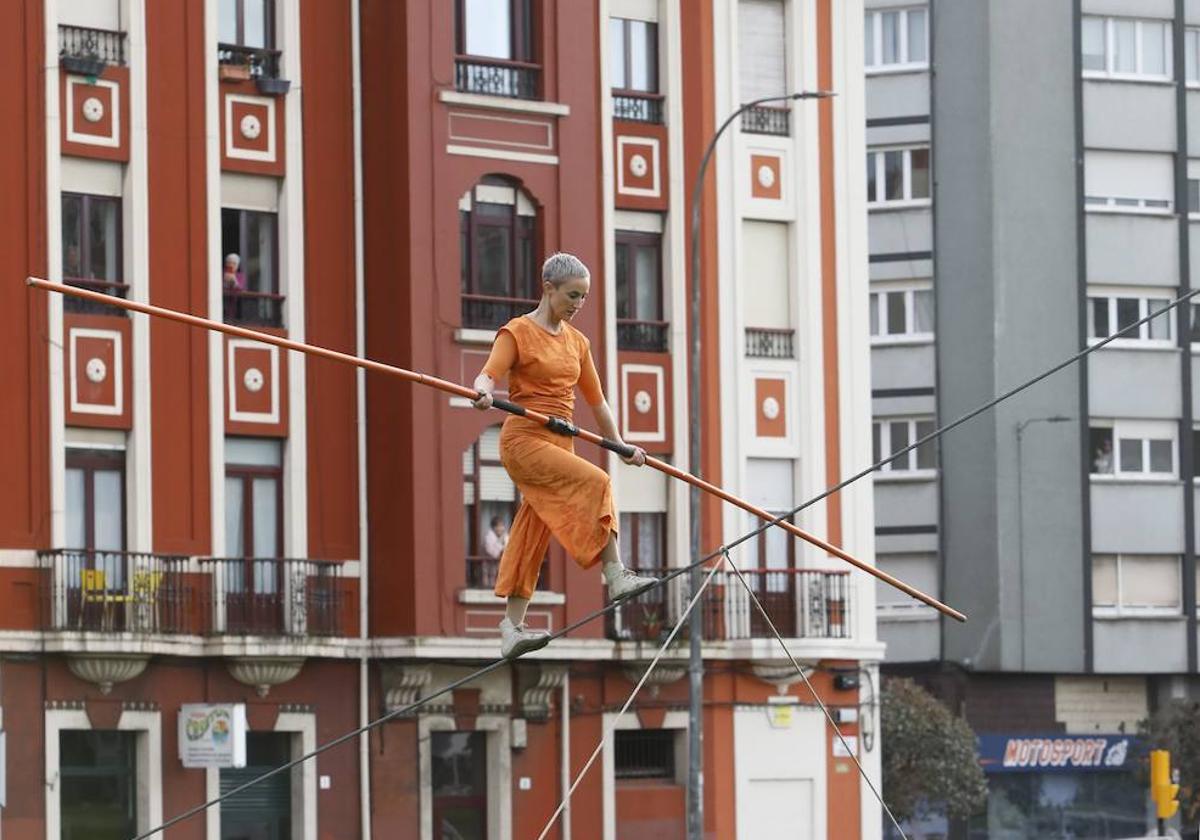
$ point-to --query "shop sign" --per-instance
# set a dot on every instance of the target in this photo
(1055, 753)
(212, 735)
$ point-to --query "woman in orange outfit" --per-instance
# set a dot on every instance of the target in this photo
(561, 493)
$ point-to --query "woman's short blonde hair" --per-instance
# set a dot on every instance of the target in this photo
(561, 267)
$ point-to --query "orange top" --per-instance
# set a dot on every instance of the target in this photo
(543, 369)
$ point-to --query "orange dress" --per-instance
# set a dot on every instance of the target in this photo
(561, 493)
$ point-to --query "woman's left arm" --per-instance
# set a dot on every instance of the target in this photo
(589, 384)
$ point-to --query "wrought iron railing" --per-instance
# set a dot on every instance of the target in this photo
(482, 570)
(84, 50)
(277, 596)
(648, 336)
(488, 312)
(637, 106)
(802, 603)
(763, 343)
(122, 592)
(496, 77)
(764, 119)
(264, 309)
(259, 63)
(91, 307)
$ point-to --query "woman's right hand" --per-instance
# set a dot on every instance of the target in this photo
(484, 402)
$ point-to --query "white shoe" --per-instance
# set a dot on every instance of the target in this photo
(515, 640)
(622, 583)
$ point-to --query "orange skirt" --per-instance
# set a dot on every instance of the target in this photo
(561, 494)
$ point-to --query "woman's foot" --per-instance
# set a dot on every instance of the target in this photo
(623, 583)
(516, 640)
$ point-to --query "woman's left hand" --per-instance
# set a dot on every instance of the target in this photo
(637, 459)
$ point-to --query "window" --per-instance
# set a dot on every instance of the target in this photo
(459, 782)
(490, 502)
(1193, 197)
(99, 783)
(901, 314)
(246, 23)
(1128, 182)
(1196, 464)
(762, 65)
(497, 223)
(251, 572)
(1136, 584)
(643, 541)
(95, 500)
(249, 273)
(1111, 314)
(1125, 48)
(644, 754)
(640, 324)
(1133, 449)
(495, 44)
(898, 176)
(633, 65)
(1191, 53)
(919, 570)
(896, 39)
(91, 243)
(891, 436)
(264, 812)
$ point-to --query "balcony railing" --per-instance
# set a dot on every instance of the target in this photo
(488, 312)
(496, 77)
(648, 336)
(637, 106)
(90, 307)
(122, 591)
(764, 119)
(86, 51)
(481, 573)
(762, 343)
(264, 309)
(802, 603)
(277, 597)
(259, 63)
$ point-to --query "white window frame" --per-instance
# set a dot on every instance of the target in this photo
(878, 300)
(1120, 610)
(893, 470)
(1125, 204)
(1192, 34)
(1145, 431)
(904, 65)
(1143, 296)
(877, 154)
(1110, 55)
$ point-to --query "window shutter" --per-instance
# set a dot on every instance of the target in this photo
(762, 48)
(495, 485)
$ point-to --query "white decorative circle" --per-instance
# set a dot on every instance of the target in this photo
(96, 370)
(93, 109)
(642, 402)
(638, 165)
(766, 177)
(253, 380)
(250, 127)
(770, 408)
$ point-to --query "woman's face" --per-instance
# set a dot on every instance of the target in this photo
(567, 298)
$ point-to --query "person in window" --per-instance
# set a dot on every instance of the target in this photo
(233, 277)
(72, 267)
(544, 358)
(1102, 461)
(496, 538)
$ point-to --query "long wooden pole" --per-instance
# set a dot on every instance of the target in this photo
(557, 424)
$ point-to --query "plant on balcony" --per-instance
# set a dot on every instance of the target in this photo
(234, 72)
(930, 761)
(1176, 727)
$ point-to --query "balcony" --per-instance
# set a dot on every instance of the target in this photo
(238, 63)
(637, 106)
(90, 307)
(764, 119)
(262, 309)
(488, 312)
(763, 343)
(496, 77)
(802, 603)
(87, 51)
(646, 336)
(154, 594)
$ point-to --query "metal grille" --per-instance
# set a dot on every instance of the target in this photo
(645, 754)
(770, 344)
(259, 308)
(766, 120)
(638, 107)
(514, 79)
(487, 312)
(75, 304)
(648, 336)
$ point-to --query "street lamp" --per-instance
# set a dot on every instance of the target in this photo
(695, 821)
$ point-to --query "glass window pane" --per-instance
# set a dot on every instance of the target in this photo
(1131, 455)
(871, 163)
(459, 764)
(1098, 323)
(1160, 327)
(258, 261)
(876, 444)
(895, 313)
(893, 176)
(624, 297)
(253, 452)
(650, 533)
(1101, 444)
(227, 21)
(642, 46)
(98, 778)
(1128, 312)
(488, 29)
(1124, 46)
(1161, 457)
(920, 173)
(1104, 580)
(874, 307)
(1191, 44)
(1193, 195)
(108, 503)
(777, 542)
(625, 543)
(916, 36)
(1195, 331)
(103, 240)
(1149, 581)
(1154, 58)
(649, 296)
(926, 452)
(1093, 43)
(899, 440)
(72, 236)
(493, 261)
(869, 39)
(616, 52)
(266, 517)
(235, 535)
(76, 510)
(923, 311)
(891, 37)
(1196, 453)
(256, 23)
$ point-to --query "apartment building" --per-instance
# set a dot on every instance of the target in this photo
(204, 537)
(1030, 190)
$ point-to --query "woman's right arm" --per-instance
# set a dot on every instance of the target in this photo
(499, 363)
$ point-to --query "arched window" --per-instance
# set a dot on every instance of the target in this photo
(498, 228)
